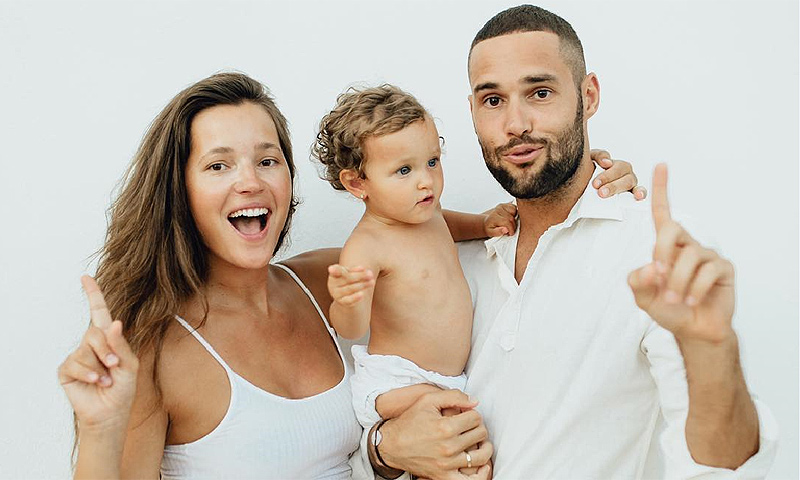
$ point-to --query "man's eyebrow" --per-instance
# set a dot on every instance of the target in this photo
(484, 86)
(531, 79)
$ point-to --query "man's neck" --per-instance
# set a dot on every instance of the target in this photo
(536, 215)
(539, 214)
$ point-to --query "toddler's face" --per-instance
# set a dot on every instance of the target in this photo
(403, 174)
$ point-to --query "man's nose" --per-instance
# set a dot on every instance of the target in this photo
(519, 120)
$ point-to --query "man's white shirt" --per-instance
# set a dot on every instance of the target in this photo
(573, 379)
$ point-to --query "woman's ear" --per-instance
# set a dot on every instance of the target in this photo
(353, 182)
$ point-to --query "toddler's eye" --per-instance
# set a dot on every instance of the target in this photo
(432, 162)
(404, 170)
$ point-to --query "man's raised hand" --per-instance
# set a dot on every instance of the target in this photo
(687, 288)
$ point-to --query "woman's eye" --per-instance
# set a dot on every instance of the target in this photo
(216, 166)
(404, 170)
(267, 162)
(432, 162)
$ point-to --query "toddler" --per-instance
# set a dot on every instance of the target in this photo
(398, 274)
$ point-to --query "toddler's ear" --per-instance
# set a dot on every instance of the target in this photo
(353, 183)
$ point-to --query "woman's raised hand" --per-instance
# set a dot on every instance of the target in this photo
(99, 377)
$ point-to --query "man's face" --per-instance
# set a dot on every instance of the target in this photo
(527, 112)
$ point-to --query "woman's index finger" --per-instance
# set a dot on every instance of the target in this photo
(98, 310)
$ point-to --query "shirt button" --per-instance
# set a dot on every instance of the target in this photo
(507, 342)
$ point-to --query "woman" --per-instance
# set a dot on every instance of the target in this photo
(230, 368)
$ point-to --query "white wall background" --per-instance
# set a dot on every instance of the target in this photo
(710, 87)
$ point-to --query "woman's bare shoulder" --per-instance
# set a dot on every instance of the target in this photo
(312, 269)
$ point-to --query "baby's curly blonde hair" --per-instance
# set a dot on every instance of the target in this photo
(359, 114)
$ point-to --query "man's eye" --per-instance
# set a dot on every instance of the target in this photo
(542, 94)
(432, 162)
(492, 101)
(404, 170)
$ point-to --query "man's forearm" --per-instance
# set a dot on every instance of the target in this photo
(722, 423)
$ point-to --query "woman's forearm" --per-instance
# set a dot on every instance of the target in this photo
(100, 452)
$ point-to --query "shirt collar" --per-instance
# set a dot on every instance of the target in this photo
(589, 205)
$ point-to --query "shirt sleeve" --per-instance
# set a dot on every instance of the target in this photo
(669, 373)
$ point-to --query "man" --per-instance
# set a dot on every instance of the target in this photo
(575, 376)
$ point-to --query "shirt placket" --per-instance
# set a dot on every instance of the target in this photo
(512, 311)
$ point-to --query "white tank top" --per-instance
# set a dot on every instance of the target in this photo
(263, 435)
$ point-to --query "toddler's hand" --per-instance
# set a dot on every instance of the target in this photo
(347, 285)
(501, 220)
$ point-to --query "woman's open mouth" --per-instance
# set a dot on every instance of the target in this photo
(249, 221)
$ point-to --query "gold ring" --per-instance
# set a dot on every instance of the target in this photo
(469, 459)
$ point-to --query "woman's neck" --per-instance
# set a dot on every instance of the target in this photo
(229, 287)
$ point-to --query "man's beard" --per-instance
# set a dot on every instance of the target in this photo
(563, 158)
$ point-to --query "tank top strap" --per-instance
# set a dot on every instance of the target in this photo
(205, 344)
(308, 294)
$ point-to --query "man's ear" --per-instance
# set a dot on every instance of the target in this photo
(590, 89)
(469, 100)
(353, 182)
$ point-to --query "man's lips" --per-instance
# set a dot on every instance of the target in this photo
(522, 154)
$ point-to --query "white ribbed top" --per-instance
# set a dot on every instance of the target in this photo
(263, 435)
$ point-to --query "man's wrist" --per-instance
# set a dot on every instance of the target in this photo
(378, 464)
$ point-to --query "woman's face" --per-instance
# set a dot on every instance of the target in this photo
(238, 183)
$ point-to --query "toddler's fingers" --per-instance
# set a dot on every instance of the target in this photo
(623, 184)
(358, 274)
(336, 271)
(602, 157)
(509, 208)
(352, 288)
(349, 300)
(498, 231)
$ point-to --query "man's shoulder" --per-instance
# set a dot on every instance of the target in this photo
(471, 249)
(634, 210)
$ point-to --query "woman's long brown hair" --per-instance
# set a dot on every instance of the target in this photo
(154, 259)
